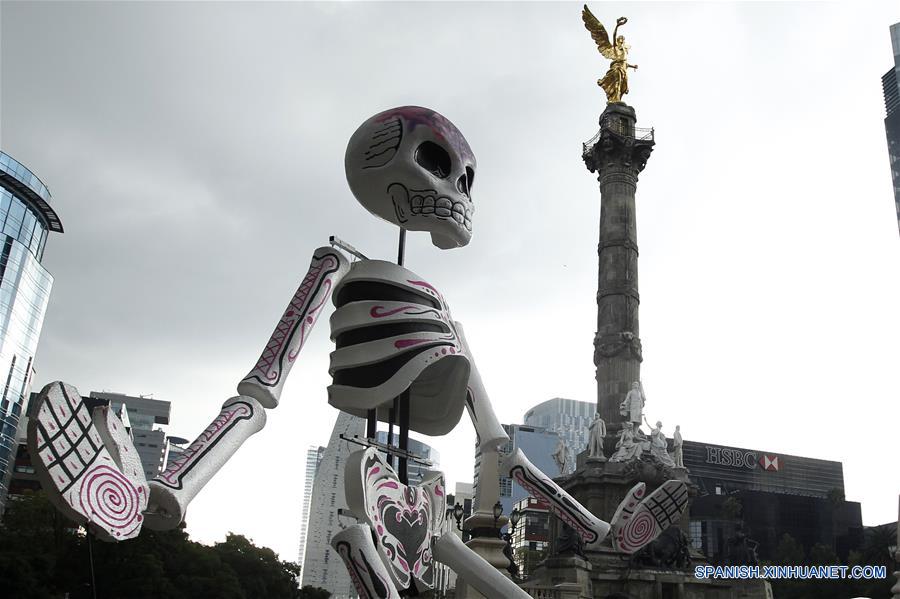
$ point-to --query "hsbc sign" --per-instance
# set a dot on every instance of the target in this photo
(742, 458)
(770, 463)
(727, 456)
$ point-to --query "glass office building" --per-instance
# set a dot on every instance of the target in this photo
(891, 85)
(26, 219)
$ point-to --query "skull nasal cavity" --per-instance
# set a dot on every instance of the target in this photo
(434, 159)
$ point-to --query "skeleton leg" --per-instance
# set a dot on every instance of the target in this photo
(369, 575)
(265, 381)
(173, 490)
(470, 567)
(592, 529)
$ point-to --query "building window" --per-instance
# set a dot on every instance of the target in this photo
(696, 533)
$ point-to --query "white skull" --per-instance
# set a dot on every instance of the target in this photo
(413, 167)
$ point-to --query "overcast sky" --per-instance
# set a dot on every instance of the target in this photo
(195, 156)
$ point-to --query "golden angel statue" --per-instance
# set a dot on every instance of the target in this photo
(615, 82)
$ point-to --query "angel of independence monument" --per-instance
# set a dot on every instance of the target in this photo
(621, 455)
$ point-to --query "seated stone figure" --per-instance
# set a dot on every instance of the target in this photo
(658, 446)
(627, 448)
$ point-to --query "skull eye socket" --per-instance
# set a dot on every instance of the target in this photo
(464, 183)
(434, 159)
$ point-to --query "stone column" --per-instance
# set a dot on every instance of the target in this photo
(484, 530)
(617, 155)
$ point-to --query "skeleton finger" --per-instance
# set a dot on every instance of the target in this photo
(639, 520)
(173, 490)
(87, 463)
(474, 570)
(592, 529)
(369, 575)
(478, 404)
(265, 381)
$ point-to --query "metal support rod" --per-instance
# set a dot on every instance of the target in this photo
(371, 424)
(403, 408)
(401, 250)
(392, 413)
(91, 556)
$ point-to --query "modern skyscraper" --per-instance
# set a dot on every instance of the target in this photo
(313, 457)
(144, 413)
(322, 567)
(26, 218)
(891, 84)
(568, 418)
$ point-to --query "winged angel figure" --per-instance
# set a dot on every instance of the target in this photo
(615, 82)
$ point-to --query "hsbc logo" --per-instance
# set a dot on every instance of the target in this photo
(726, 456)
(743, 459)
(770, 463)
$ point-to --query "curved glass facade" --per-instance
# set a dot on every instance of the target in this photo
(24, 293)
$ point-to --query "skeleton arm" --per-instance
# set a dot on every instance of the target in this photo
(634, 524)
(243, 415)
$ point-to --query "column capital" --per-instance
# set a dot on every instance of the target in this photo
(618, 143)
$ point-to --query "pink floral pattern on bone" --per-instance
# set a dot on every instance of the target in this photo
(228, 417)
(300, 315)
(404, 518)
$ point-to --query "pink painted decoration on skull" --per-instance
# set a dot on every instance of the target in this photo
(412, 167)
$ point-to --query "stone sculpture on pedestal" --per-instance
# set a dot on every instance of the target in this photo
(632, 407)
(595, 439)
(658, 446)
(560, 456)
(627, 448)
(678, 447)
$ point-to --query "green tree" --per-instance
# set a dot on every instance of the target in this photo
(311, 592)
(789, 552)
(43, 556)
(732, 508)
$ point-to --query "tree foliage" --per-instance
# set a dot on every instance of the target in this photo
(44, 556)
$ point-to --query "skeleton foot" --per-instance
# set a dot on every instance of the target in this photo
(87, 463)
(639, 520)
(472, 568)
(369, 575)
(591, 529)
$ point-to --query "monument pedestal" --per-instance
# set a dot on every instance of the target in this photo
(600, 486)
(566, 576)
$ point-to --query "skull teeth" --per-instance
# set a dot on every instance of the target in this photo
(443, 207)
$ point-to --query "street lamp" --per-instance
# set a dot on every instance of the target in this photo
(498, 511)
(514, 520)
(457, 512)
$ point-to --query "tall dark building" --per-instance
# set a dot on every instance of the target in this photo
(26, 219)
(891, 84)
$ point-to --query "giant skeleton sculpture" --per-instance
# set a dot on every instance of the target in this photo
(395, 341)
